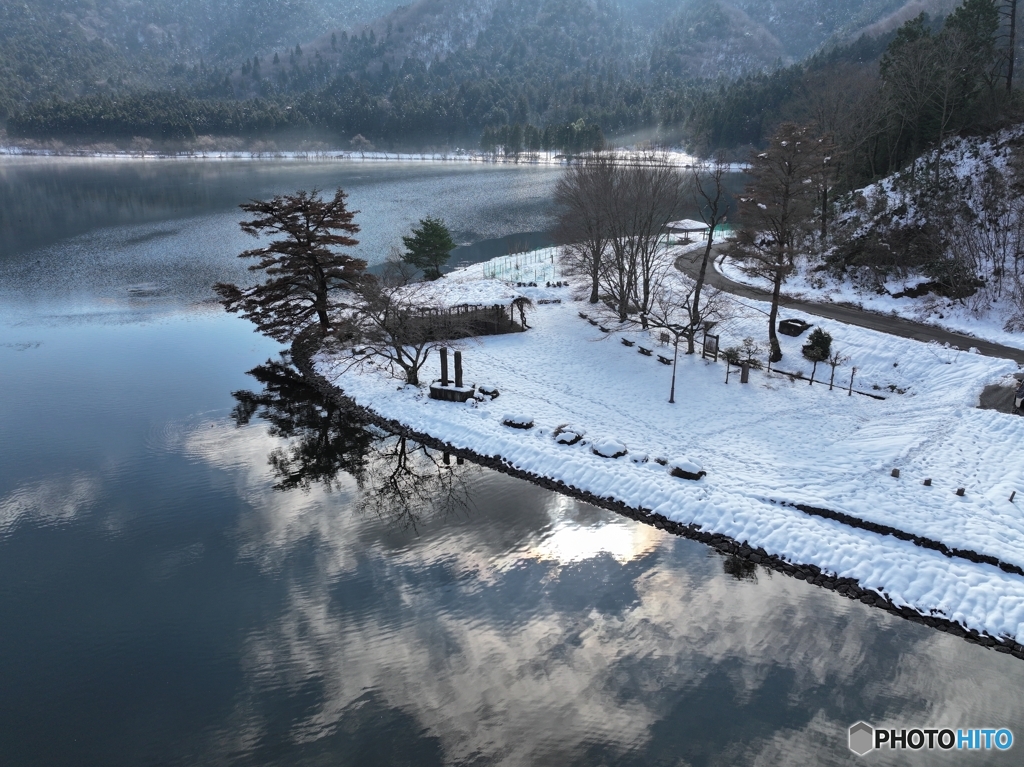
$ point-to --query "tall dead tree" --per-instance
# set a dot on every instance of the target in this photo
(712, 202)
(1009, 9)
(776, 208)
(647, 194)
(582, 230)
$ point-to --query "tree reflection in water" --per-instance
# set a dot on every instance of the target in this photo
(401, 481)
(739, 568)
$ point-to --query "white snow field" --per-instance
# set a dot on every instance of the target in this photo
(770, 442)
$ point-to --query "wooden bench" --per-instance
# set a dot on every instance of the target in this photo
(603, 329)
(643, 351)
(627, 342)
(592, 322)
(664, 360)
(584, 316)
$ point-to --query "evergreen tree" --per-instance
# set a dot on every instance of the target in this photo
(429, 247)
(303, 271)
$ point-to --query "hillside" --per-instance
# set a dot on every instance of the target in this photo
(940, 242)
(433, 72)
(66, 48)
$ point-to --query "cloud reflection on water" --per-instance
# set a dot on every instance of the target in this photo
(537, 630)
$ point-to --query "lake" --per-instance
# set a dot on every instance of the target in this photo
(199, 565)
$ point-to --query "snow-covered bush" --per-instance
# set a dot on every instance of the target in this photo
(567, 436)
(608, 448)
(517, 421)
(488, 390)
(686, 468)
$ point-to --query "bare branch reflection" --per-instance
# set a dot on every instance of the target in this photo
(408, 481)
(325, 438)
(402, 481)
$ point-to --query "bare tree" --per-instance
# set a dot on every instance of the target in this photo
(712, 203)
(776, 207)
(396, 271)
(676, 311)
(835, 359)
(581, 199)
(1009, 10)
(647, 195)
(657, 191)
(391, 324)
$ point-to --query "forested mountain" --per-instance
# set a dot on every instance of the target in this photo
(712, 73)
(65, 48)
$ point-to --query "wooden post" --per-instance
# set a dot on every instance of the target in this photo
(458, 368)
(849, 392)
(444, 366)
(675, 359)
(745, 372)
(727, 370)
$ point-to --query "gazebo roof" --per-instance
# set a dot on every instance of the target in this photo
(445, 293)
(687, 225)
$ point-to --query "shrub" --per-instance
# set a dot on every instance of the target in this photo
(818, 346)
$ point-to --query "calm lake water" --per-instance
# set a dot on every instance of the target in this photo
(200, 566)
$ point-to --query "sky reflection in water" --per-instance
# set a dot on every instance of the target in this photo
(191, 577)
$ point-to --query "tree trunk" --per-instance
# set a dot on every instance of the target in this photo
(675, 359)
(824, 215)
(695, 304)
(773, 316)
(1013, 47)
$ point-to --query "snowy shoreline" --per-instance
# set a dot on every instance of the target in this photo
(327, 155)
(797, 475)
(809, 572)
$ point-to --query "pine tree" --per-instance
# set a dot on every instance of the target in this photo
(303, 271)
(429, 247)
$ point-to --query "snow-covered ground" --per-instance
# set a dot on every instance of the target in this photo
(775, 440)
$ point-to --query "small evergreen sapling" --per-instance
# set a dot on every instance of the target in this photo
(429, 247)
(817, 349)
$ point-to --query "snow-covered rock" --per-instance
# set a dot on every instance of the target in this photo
(606, 447)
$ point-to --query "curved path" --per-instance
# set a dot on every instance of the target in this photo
(690, 264)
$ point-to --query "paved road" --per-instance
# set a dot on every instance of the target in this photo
(690, 264)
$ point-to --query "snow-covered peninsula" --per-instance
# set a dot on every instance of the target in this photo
(768, 446)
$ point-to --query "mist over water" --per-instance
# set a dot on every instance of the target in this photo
(170, 228)
(204, 566)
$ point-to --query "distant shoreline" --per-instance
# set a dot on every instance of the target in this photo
(547, 159)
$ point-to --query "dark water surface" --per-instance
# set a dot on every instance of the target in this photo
(191, 577)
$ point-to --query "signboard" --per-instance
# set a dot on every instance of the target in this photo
(710, 346)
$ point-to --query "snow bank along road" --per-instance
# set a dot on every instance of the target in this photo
(768, 447)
